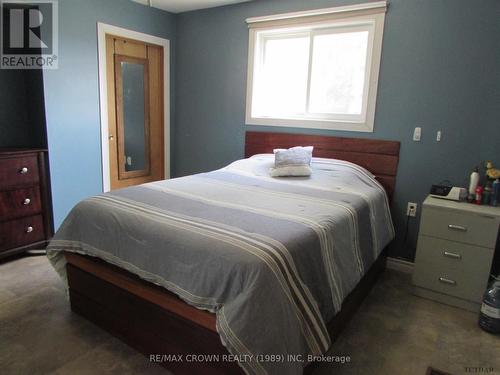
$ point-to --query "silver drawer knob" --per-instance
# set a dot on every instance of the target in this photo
(444, 280)
(452, 255)
(23, 170)
(29, 229)
(27, 201)
(457, 227)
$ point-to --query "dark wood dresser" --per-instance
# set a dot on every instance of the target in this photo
(25, 204)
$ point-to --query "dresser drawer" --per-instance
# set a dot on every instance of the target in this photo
(476, 229)
(19, 203)
(21, 232)
(18, 171)
(454, 255)
(454, 282)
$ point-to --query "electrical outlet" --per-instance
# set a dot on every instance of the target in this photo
(411, 209)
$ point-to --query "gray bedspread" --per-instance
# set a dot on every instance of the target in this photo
(273, 258)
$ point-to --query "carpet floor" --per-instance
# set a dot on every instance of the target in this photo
(394, 332)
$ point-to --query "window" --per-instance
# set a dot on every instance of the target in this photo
(316, 69)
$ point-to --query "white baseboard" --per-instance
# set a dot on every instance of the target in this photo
(399, 265)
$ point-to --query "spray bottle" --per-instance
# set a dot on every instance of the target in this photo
(474, 180)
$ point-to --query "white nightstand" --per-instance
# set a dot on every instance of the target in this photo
(455, 249)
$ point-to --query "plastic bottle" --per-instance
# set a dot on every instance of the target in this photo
(474, 180)
(487, 191)
(479, 195)
(489, 318)
(495, 195)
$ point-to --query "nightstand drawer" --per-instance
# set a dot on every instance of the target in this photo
(19, 171)
(476, 229)
(469, 286)
(19, 203)
(21, 232)
(453, 255)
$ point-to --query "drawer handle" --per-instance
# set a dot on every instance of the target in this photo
(444, 280)
(29, 229)
(452, 255)
(27, 201)
(457, 227)
(23, 170)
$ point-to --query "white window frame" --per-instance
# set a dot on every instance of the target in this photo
(369, 16)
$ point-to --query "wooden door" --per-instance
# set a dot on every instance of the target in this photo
(135, 111)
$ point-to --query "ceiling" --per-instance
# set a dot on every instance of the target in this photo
(178, 6)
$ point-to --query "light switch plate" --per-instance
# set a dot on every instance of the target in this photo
(417, 134)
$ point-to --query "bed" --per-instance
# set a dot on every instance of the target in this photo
(184, 270)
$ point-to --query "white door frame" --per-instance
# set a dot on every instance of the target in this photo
(102, 30)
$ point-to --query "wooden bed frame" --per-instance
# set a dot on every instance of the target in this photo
(155, 321)
(379, 157)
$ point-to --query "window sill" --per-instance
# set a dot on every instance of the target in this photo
(312, 124)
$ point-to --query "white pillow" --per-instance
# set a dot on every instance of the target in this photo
(295, 161)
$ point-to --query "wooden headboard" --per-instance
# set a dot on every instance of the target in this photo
(379, 157)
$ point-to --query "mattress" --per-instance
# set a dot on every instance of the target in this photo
(273, 258)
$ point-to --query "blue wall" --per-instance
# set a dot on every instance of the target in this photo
(440, 70)
(72, 92)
